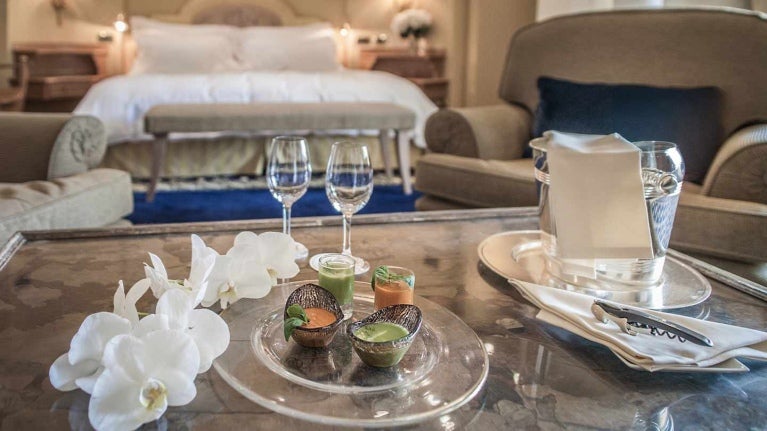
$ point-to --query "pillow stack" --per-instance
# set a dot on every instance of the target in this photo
(183, 48)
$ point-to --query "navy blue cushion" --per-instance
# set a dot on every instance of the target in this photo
(689, 117)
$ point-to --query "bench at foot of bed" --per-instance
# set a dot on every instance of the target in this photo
(282, 118)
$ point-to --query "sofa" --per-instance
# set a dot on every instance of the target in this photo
(475, 154)
(49, 177)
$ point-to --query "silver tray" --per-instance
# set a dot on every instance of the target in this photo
(680, 286)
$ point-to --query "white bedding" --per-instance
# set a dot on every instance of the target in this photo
(121, 101)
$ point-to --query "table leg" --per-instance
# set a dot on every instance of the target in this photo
(159, 148)
(383, 139)
(403, 154)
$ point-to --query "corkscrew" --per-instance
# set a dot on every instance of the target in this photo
(633, 322)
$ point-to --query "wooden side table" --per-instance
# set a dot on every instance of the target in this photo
(427, 70)
(60, 73)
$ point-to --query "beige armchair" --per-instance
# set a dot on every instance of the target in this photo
(47, 175)
(474, 158)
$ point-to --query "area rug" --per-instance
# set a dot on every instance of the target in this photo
(179, 205)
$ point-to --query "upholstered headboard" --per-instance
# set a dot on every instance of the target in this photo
(241, 13)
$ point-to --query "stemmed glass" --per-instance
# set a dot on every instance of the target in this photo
(288, 174)
(349, 184)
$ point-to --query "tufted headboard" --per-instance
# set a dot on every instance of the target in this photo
(241, 13)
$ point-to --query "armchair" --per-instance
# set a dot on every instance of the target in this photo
(47, 175)
(475, 153)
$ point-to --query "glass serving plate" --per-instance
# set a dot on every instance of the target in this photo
(444, 368)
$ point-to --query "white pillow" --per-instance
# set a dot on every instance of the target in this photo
(303, 48)
(139, 23)
(164, 52)
(182, 48)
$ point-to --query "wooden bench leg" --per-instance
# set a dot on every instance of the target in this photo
(159, 148)
(383, 139)
(403, 154)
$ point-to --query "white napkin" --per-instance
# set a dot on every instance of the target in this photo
(572, 311)
(597, 197)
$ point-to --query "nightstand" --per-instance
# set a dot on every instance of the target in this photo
(427, 70)
(60, 73)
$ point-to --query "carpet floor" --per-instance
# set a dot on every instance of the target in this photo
(216, 205)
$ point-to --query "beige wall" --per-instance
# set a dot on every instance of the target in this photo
(35, 21)
(491, 23)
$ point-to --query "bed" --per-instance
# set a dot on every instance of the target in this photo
(242, 51)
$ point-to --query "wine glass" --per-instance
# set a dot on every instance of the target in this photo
(288, 174)
(349, 184)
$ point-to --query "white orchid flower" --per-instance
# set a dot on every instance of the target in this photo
(142, 377)
(82, 365)
(175, 311)
(251, 267)
(203, 259)
(125, 304)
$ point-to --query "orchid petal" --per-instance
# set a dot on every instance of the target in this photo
(253, 283)
(125, 305)
(158, 265)
(158, 275)
(137, 291)
(88, 382)
(246, 238)
(63, 374)
(119, 298)
(116, 404)
(176, 305)
(248, 251)
(203, 261)
(151, 323)
(279, 253)
(210, 334)
(219, 277)
(94, 334)
(124, 357)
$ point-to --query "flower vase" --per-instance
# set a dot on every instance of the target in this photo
(422, 46)
(412, 45)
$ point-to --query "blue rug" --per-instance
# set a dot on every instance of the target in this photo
(215, 205)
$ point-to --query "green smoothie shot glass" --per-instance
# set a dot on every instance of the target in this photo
(337, 276)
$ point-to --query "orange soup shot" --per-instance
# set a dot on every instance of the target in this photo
(318, 317)
(393, 285)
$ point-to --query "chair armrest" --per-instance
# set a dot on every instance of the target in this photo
(47, 146)
(739, 170)
(499, 132)
(725, 228)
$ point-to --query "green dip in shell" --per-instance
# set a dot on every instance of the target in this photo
(381, 332)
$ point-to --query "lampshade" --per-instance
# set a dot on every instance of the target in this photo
(120, 24)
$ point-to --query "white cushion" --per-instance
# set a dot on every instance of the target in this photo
(185, 48)
(301, 48)
(182, 48)
(95, 198)
(141, 23)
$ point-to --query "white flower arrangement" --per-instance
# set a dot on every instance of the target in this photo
(135, 368)
(415, 22)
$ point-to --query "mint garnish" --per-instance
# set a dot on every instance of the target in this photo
(383, 273)
(296, 317)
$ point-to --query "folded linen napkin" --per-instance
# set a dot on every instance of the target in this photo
(572, 311)
(597, 197)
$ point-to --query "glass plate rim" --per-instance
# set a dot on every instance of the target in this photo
(409, 419)
(351, 390)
